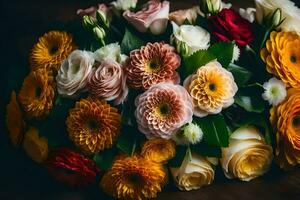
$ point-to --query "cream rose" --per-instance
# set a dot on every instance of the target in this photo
(154, 16)
(188, 38)
(108, 82)
(179, 16)
(194, 173)
(123, 5)
(248, 156)
(111, 51)
(290, 13)
(74, 72)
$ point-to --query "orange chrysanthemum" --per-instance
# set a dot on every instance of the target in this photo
(212, 88)
(159, 150)
(134, 178)
(93, 125)
(52, 48)
(285, 119)
(37, 93)
(152, 64)
(282, 56)
(14, 120)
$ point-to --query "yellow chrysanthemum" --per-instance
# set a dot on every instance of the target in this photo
(93, 125)
(159, 150)
(35, 146)
(212, 88)
(134, 178)
(37, 93)
(285, 119)
(14, 120)
(52, 48)
(282, 56)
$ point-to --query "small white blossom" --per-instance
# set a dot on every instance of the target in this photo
(275, 91)
(236, 53)
(124, 4)
(193, 133)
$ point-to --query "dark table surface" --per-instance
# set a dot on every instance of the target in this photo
(20, 178)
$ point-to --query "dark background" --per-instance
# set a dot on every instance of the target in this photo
(22, 22)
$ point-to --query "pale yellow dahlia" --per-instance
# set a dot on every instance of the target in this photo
(212, 88)
(93, 125)
(152, 64)
(37, 93)
(282, 56)
(52, 48)
(134, 178)
(159, 150)
(35, 146)
(162, 110)
(14, 120)
(285, 119)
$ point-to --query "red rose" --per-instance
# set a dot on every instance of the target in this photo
(228, 25)
(71, 168)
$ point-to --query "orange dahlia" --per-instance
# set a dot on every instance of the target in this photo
(14, 120)
(152, 64)
(285, 119)
(212, 88)
(93, 125)
(37, 93)
(52, 48)
(134, 178)
(159, 150)
(282, 56)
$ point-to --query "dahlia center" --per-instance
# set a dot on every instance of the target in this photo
(38, 91)
(212, 87)
(92, 124)
(135, 178)
(293, 59)
(296, 123)
(153, 66)
(163, 110)
(53, 50)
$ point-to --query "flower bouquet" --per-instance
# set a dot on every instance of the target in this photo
(134, 97)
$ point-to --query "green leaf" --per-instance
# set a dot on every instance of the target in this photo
(250, 99)
(223, 51)
(180, 154)
(128, 139)
(196, 60)
(105, 159)
(240, 74)
(130, 42)
(214, 129)
(207, 150)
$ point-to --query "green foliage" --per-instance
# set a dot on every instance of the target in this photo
(207, 150)
(180, 154)
(250, 98)
(214, 129)
(240, 74)
(130, 42)
(105, 159)
(223, 52)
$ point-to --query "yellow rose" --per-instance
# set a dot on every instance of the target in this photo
(193, 173)
(285, 119)
(248, 156)
(159, 150)
(35, 146)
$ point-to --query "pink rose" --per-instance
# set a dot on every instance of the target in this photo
(108, 81)
(154, 16)
(91, 11)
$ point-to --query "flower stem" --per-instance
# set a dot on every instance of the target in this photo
(265, 38)
(189, 153)
(133, 148)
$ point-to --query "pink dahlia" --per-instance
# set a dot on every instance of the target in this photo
(162, 110)
(152, 64)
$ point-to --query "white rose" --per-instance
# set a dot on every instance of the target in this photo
(74, 72)
(248, 156)
(290, 13)
(124, 4)
(194, 173)
(248, 14)
(111, 51)
(191, 38)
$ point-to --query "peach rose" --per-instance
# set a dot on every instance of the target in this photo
(179, 16)
(154, 16)
(108, 82)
